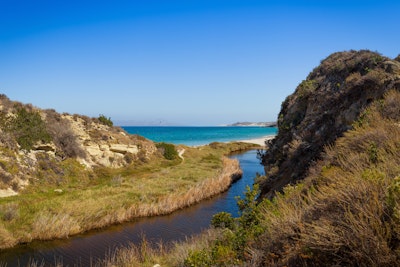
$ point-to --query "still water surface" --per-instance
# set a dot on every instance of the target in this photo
(89, 248)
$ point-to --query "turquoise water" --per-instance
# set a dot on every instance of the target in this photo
(194, 136)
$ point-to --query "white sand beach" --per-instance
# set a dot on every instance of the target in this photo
(258, 141)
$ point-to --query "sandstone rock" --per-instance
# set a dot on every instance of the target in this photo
(123, 149)
(94, 150)
(45, 147)
(7, 192)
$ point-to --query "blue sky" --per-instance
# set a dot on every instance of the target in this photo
(188, 62)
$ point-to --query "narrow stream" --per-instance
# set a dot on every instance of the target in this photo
(89, 248)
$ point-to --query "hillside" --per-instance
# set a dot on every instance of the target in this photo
(346, 210)
(321, 109)
(331, 194)
(62, 174)
(35, 142)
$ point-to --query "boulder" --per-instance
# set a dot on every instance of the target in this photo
(49, 147)
(123, 149)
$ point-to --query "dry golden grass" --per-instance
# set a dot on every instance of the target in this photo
(194, 194)
(48, 226)
(147, 254)
(7, 239)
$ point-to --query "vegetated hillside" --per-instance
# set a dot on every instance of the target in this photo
(34, 143)
(322, 108)
(337, 170)
(346, 212)
(61, 174)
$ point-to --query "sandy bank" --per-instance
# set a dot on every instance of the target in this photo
(258, 141)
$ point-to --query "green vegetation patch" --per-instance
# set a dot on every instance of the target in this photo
(27, 127)
(106, 121)
(167, 150)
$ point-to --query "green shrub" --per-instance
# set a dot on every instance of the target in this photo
(168, 150)
(248, 207)
(223, 220)
(104, 120)
(373, 152)
(28, 128)
(393, 198)
(230, 248)
(198, 258)
(223, 255)
(219, 254)
(306, 87)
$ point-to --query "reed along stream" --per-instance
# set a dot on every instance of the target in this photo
(87, 249)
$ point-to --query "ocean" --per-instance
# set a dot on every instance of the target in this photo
(195, 136)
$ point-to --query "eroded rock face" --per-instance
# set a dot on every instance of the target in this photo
(324, 106)
(107, 146)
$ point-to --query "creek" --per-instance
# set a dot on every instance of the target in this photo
(87, 249)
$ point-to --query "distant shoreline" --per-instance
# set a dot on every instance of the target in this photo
(253, 124)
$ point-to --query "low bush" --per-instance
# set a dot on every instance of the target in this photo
(167, 150)
(230, 248)
(223, 220)
(104, 120)
(28, 128)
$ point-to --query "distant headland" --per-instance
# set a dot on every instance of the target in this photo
(260, 124)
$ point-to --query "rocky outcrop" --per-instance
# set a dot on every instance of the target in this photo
(323, 106)
(108, 146)
(34, 140)
(123, 149)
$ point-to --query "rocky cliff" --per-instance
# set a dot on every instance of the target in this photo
(32, 139)
(321, 109)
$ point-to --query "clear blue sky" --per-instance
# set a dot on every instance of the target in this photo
(188, 62)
